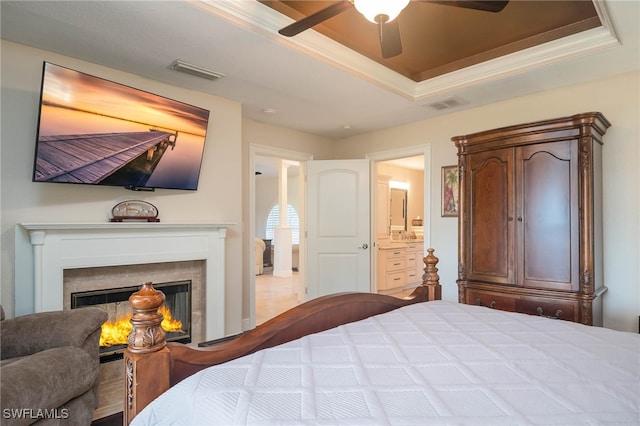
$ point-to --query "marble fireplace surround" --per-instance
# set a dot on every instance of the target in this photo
(115, 277)
(60, 247)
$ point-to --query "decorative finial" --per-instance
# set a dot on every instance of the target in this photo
(147, 334)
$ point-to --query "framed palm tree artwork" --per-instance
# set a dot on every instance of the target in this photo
(450, 191)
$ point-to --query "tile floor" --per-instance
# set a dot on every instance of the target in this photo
(275, 295)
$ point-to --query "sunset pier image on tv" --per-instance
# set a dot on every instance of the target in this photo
(95, 131)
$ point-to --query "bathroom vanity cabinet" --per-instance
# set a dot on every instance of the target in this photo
(399, 265)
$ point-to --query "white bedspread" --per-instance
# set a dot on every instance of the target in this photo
(431, 363)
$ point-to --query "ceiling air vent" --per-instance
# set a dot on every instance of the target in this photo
(447, 103)
(194, 70)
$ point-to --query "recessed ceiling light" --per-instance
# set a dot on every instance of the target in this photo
(269, 111)
(195, 70)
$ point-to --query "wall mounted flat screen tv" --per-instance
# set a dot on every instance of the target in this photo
(95, 131)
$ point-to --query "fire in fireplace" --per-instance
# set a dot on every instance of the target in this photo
(113, 339)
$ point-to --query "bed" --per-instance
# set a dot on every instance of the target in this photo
(416, 361)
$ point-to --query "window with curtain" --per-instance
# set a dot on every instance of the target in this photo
(273, 219)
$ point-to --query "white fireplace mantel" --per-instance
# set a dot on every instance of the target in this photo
(60, 246)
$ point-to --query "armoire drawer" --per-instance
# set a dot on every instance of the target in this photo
(490, 300)
(559, 309)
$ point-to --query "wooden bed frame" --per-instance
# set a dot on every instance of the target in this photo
(152, 365)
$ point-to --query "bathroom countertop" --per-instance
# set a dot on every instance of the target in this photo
(391, 244)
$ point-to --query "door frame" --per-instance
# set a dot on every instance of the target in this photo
(392, 154)
(257, 150)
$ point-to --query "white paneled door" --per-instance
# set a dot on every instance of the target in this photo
(338, 229)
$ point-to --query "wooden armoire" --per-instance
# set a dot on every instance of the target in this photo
(530, 218)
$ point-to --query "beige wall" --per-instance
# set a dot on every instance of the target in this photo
(257, 133)
(618, 99)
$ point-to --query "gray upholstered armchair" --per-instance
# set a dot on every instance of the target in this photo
(50, 366)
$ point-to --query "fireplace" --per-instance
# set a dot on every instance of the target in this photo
(115, 301)
(59, 249)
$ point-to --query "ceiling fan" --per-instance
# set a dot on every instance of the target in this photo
(383, 13)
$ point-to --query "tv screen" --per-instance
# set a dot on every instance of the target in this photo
(95, 131)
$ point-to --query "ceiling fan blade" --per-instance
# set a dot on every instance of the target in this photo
(315, 18)
(390, 42)
(483, 5)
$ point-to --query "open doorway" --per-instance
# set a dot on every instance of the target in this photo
(278, 274)
(276, 279)
(401, 219)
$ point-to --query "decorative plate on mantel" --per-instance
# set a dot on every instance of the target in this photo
(134, 210)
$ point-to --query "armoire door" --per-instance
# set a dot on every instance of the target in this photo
(490, 216)
(547, 217)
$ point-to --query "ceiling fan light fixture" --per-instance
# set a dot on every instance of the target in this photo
(378, 11)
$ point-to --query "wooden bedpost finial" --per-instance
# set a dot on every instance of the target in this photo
(431, 279)
(147, 334)
(146, 359)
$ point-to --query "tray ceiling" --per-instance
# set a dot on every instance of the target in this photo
(438, 39)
